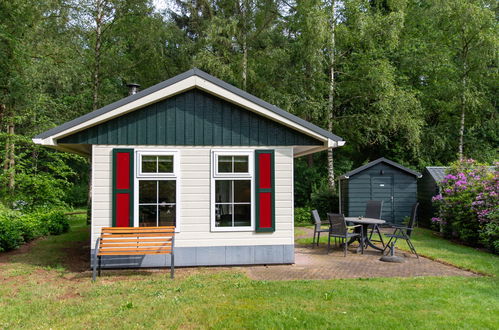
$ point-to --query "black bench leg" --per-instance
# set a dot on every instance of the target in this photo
(172, 267)
(100, 264)
(94, 268)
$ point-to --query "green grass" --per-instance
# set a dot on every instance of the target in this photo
(39, 290)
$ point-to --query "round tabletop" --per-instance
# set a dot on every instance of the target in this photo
(365, 221)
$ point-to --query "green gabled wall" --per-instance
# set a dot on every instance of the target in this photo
(191, 118)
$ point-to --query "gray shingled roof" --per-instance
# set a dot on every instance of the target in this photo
(437, 172)
(377, 161)
(182, 76)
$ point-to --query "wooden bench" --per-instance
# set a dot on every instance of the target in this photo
(126, 241)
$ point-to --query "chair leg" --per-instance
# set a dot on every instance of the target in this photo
(362, 240)
(411, 246)
(313, 240)
(380, 236)
(387, 245)
(328, 243)
(318, 237)
(346, 245)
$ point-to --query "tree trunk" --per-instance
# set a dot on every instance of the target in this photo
(245, 10)
(10, 162)
(245, 61)
(99, 18)
(463, 112)
(330, 155)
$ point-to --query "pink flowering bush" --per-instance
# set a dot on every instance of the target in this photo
(468, 205)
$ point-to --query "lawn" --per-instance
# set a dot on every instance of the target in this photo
(44, 289)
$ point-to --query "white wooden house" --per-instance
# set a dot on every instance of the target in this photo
(199, 154)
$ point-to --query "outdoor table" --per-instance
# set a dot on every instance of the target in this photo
(366, 222)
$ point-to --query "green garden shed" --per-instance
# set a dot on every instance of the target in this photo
(381, 179)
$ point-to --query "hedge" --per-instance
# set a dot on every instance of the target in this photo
(17, 228)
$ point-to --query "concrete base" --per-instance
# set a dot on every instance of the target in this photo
(392, 259)
(207, 256)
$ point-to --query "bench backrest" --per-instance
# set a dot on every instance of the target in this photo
(136, 240)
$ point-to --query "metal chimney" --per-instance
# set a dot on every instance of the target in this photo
(133, 88)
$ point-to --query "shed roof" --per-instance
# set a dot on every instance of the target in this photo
(183, 76)
(437, 172)
(377, 161)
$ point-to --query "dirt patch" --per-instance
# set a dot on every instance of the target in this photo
(25, 248)
(77, 257)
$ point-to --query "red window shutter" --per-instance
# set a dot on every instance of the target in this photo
(122, 188)
(264, 191)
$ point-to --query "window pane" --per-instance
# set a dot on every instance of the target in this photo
(167, 191)
(147, 191)
(223, 191)
(223, 215)
(241, 164)
(149, 164)
(147, 216)
(225, 164)
(242, 215)
(165, 164)
(167, 215)
(242, 191)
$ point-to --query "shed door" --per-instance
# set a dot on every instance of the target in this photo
(382, 190)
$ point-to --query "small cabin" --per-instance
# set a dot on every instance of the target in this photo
(383, 180)
(201, 155)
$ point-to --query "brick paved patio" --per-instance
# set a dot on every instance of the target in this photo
(317, 264)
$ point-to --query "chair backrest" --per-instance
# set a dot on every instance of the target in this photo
(374, 209)
(337, 223)
(412, 220)
(317, 219)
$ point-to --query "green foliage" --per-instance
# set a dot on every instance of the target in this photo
(324, 200)
(17, 228)
(303, 216)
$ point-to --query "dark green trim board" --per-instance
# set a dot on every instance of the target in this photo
(129, 191)
(192, 118)
(259, 190)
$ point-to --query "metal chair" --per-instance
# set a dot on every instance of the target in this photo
(338, 228)
(317, 227)
(403, 232)
(374, 210)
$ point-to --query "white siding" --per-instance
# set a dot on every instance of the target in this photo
(194, 182)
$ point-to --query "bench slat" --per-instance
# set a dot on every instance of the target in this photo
(131, 253)
(121, 231)
(107, 245)
(138, 235)
(137, 240)
(136, 229)
(117, 249)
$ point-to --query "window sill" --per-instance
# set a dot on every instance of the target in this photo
(231, 229)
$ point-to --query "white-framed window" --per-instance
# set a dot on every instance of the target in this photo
(157, 188)
(157, 163)
(232, 186)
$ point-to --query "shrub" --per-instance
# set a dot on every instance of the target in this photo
(55, 221)
(468, 206)
(11, 234)
(17, 228)
(324, 200)
(303, 216)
